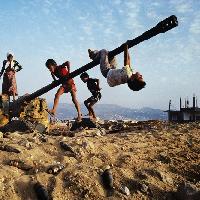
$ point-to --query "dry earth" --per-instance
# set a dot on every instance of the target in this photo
(150, 158)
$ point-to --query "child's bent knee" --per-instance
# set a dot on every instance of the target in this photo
(104, 51)
(85, 103)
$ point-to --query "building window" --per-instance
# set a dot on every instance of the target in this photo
(198, 118)
(174, 117)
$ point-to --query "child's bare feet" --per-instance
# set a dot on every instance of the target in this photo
(92, 54)
(51, 111)
(79, 118)
(94, 119)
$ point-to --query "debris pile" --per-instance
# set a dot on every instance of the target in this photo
(133, 160)
(4, 110)
(33, 117)
(35, 112)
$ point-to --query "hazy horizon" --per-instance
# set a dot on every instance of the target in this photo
(82, 104)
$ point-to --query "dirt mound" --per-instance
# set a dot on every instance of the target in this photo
(148, 160)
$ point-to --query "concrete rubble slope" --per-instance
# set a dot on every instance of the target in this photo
(148, 160)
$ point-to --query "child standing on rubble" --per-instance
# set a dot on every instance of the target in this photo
(93, 87)
(62, 71)
(8, 71)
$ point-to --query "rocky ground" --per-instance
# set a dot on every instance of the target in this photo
(146, 160)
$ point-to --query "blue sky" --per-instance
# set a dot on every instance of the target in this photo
(36, 30)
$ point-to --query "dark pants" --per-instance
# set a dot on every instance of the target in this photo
(93, 99)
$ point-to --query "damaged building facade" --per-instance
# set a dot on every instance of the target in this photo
(186, 113)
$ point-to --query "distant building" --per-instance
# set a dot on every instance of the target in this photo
(186, 113)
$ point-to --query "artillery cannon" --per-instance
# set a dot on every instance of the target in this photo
(162, 27)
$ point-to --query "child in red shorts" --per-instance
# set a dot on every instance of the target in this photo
(60, 71)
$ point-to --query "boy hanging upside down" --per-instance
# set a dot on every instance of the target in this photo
(116, 76)
(93, 87)
(60, 71)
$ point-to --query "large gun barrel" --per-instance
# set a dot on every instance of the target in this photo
(162, 27)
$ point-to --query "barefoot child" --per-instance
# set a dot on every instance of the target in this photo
(93, 87)
(118, 76)
(60, 71)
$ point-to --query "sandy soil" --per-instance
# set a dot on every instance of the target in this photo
(150, 159)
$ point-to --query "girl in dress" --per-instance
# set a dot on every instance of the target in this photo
(9, 69)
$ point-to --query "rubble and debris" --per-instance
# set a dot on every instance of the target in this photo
(66, 147)
(107, 180)
(125, 190)
(20, 165)
(1, 135)
(186, 191)
(149, 158)
(85, 123)
(51, 186)
(17, 125)
(41, 192)
(55, 169)
(164, 158)
(32, 117)
(9, 148)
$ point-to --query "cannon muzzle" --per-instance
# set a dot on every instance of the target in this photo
(167, 24)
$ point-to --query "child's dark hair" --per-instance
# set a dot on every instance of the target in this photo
(50, 62)
(84, 75)
(135, 84)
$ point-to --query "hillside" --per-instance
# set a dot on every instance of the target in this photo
(109, 111)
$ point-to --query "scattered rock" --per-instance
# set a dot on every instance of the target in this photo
(66, 147)
(107, 180)
(40, 191)
(141, 175)
(71, 134)
(137, 185)
(8, 148)
(125, 190)
(103, 131)
(43, 138)
(1, 135)
(20, 165)
(51, 186)
(157, 174)
(55, 169)
(17, 125)
(144, 188)
(27, 144)
(190, 142)
(41, 128)
(86, 122)
(87, 145)
(165, 155)
(186, 191)
(166, 178)
(164, 158)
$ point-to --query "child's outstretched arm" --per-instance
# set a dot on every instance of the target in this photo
(53, 76)
(127, 59)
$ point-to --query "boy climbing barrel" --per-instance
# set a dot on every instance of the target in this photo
(62, 71)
